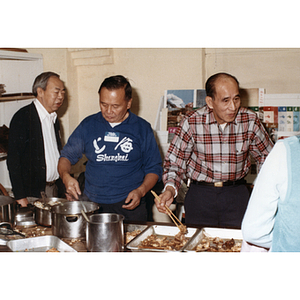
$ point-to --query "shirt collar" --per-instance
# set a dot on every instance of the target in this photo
(128, 119)
(43, 113)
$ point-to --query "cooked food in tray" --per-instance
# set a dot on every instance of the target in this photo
(154, 241)
(132, 230)
(129, 236)
(161, 238)
(216, 244)
(216, 240)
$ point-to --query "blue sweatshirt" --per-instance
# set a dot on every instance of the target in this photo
(118, 157)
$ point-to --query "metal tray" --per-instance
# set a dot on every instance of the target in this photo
(8, 234)
(6, 238)
(222, 233)
(39, 244)
(161, 230)
(133, 227)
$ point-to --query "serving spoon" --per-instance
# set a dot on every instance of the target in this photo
(84, 209)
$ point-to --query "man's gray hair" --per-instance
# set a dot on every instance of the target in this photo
(41, 81)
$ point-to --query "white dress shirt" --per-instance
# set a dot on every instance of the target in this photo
(50, 143)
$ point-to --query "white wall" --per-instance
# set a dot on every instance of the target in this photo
(276, 70)
(153, 70)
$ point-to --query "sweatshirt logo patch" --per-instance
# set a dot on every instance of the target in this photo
(125, 145)
(97, 148)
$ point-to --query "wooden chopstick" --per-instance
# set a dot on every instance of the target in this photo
(171, 216)
(170, 213)
(168, 209)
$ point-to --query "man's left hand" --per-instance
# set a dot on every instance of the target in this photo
(133, 199)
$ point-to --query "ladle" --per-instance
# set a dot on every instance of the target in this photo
(85, 216)
(44, 197)
(83, 210)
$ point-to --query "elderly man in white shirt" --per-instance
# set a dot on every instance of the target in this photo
(51, 150)
(34, 142)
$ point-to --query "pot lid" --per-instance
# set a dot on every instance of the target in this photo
(24, 212)
(24, 216)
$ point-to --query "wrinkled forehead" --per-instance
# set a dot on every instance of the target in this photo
(56, 83)
(226, 83)
(225, 80)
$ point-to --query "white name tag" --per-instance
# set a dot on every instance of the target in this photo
(111, 137)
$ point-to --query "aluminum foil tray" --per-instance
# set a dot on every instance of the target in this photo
(5, 239)
(39, 244)
(160, 230)
(132, 227)
(223, 233)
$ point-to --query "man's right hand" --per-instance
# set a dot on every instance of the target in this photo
(72, 188)
(166, 199)
(71, 184)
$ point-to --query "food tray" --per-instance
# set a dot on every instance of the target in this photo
(222, 233)
(39, 244)
(5, 239)
(160, 230)
(133, 227)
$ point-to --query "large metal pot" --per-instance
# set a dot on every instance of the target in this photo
(7, 209)
(43, 209)
(105, 233)
(68, 221)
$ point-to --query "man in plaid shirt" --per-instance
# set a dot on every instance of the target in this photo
(212, 148)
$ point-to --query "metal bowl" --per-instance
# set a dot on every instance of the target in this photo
(43, 214)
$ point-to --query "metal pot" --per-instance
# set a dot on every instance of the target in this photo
(105, 233)
(68, 221)
(24, 216)
(43, 214)
(7, 209)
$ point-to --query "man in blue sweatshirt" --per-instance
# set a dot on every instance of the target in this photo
(124, 161)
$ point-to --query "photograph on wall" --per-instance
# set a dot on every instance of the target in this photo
(179, 99)
(178, 102)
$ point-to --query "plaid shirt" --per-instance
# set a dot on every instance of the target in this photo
(202, 151)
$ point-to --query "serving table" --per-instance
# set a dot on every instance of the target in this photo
(79, 244)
